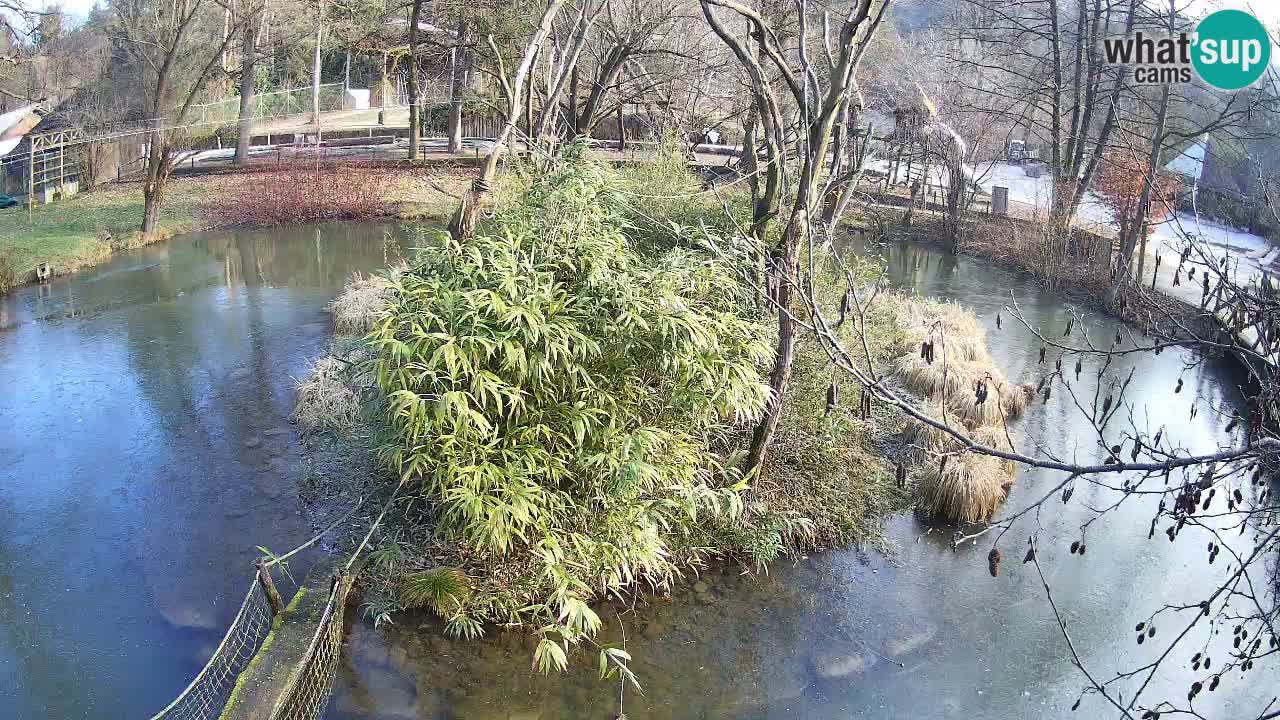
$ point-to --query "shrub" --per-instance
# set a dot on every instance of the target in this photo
(558, 395)
(666, 204)
(963, 486)
(303, 193)
(955, 485)
(362, 301)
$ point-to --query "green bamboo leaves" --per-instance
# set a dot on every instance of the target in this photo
(556, 393)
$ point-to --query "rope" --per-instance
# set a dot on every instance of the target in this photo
(311, 683)
(312, 541)
(374, 526)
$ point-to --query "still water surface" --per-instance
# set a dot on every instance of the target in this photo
(147, 451)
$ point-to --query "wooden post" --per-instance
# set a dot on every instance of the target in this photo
(269, 587)
(31, 180)
(622, 130)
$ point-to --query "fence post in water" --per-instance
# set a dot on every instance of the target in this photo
(269, 587)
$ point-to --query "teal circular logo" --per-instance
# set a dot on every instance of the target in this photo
(1232, 49)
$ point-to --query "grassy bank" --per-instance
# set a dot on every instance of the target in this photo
(1080, 272)
(86, 229)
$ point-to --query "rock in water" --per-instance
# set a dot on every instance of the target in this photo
(836, 664)
(903, 645)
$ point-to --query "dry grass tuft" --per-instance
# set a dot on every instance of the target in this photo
(325, 401)
(923, 443)
(362, 302)
(958, 335)
(956, 384)
(967, 487)
(935, 380)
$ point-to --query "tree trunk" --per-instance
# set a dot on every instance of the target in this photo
(315, 70)
(1153, 169)
(457, 76)
(1153, 165)
(784, 270)
(384, 89)
(153, 184)
(415, 132)
(248, 62)
(528, 101)
(462, 226)
(585, 122)
(573, 97)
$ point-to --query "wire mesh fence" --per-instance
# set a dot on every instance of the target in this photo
(280, 103)
(208, 693)
(311, 683)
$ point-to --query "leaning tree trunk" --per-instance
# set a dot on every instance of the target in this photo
(248, 62)
(783, 265)
(586, 121)
(415, 132)
(463, 225)
(457, 78)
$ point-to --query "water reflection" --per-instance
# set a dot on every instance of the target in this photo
(924, 632)
(147, 451)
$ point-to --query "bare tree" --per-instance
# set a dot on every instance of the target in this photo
(178, 46)
(415, 129)
(315, 67)
(459, 57)
(818, 101)
(248, 67)
(463, 224)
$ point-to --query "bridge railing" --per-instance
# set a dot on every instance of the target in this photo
(310, 682)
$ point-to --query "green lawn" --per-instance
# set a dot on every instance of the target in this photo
(80, 231)
(84, 230)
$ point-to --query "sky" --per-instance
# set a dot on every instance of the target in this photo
(1266, 10)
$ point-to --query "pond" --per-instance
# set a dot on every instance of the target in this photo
(148, 453)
